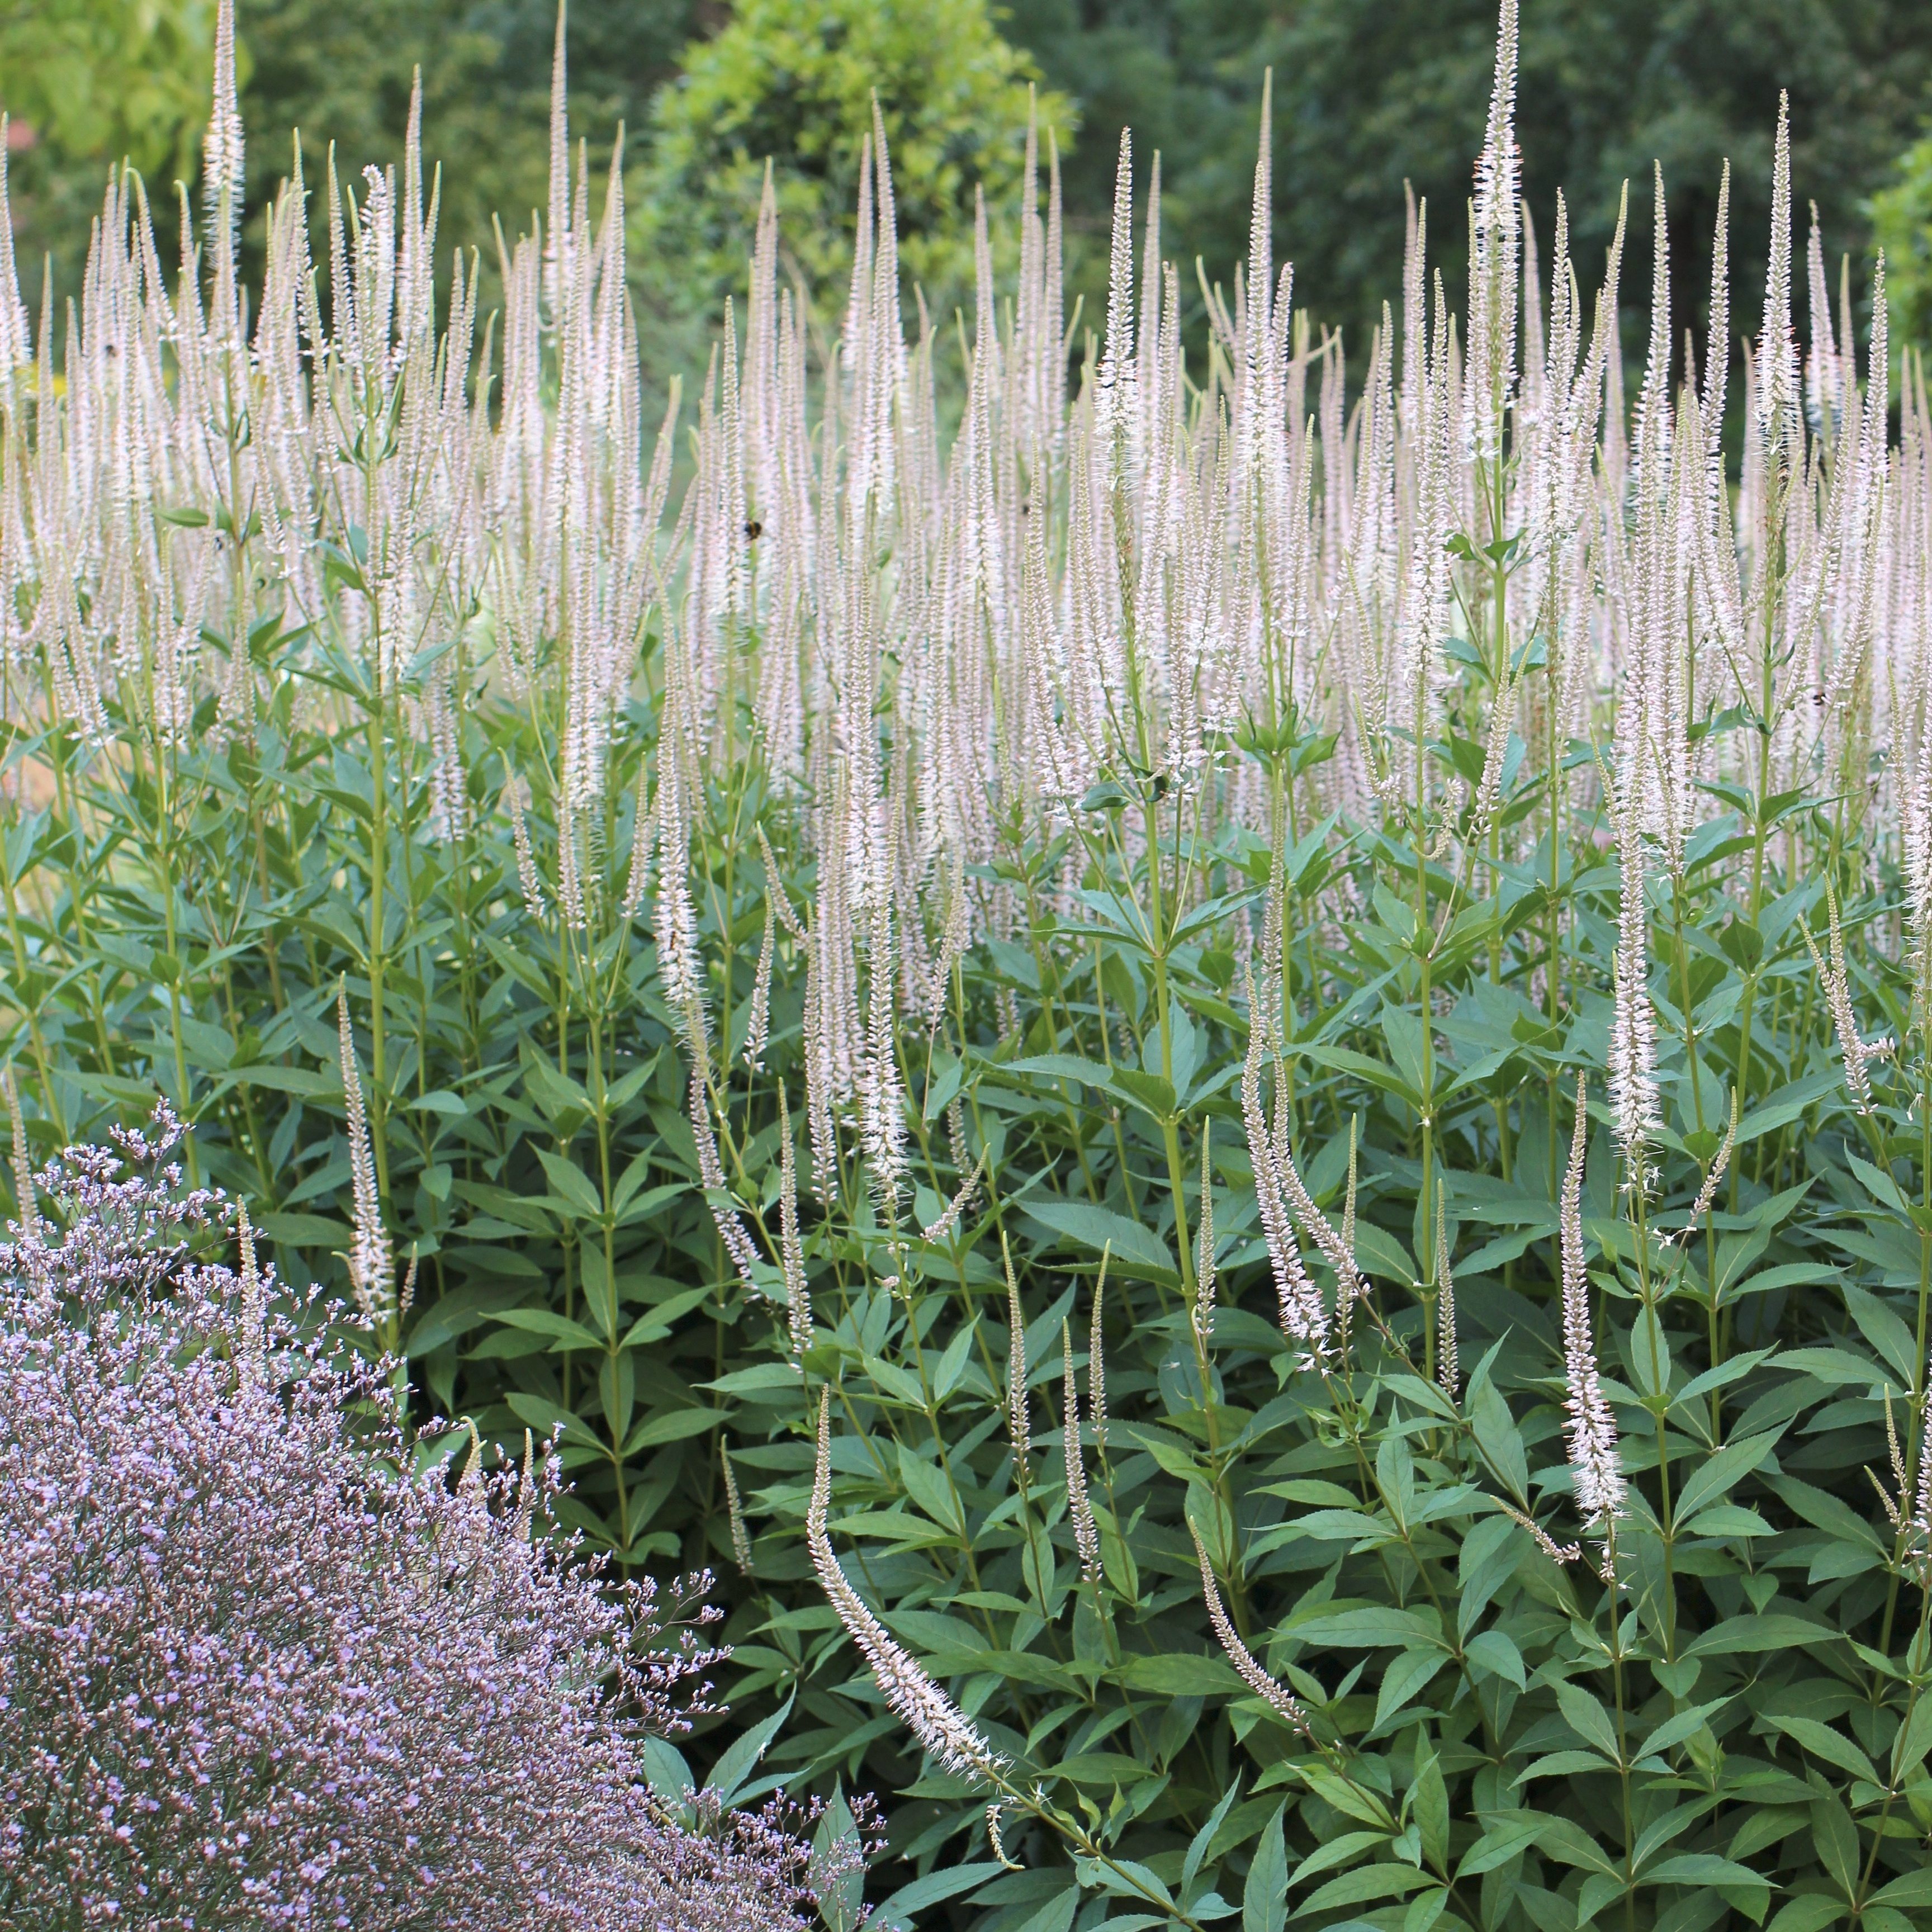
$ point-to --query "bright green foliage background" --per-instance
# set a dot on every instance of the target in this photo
(793, 80)
(1366, 97)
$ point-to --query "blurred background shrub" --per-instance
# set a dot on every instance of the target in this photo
(1365, 97)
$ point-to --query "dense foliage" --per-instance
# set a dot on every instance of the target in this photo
(1200, 1071)
(792, 86)
(1367, 98)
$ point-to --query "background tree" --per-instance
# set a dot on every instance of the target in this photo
(84, 82)
(1367, 96)
(793, 80)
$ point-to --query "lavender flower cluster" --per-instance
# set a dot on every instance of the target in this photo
(252, 1673)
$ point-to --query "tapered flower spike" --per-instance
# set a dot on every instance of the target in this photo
(1713, 1181)
(1778, 395)
(472, 1463)
(1590, 1428)
(1079, 1503)
(1856, 1052)
(741, 1539)
(1632, 1026)
(998, 1843)
(1448, 1368)
(1096, 1358)
(17, 343)
(1304, 1319)
(371, 1267)
(221, 151)
(1204, 1282)
(791, 1249)
(254, 1362)
(1019, 1420)
(1345, 1307)
(23, 1167)
(1557, 1552)
(942, 1228)
(943, 1730)
(532, 886)
(1278, 1698)
(527, 1487)
(1922, 1507)
(758, 1023)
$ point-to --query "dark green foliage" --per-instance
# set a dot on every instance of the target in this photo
(1366, 96)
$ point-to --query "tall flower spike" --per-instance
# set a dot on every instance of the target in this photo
(1114, 394)
(1203, 1285)
(1590, 1429)
(1079, 1503)
(1096, 1359)
(943, 1729)
(1304, 1319)
(791, 1250)
(997, 1843)
(1633, 1028)
(1019, 1418)
(1778, 398)
(16, 342)
(1921, 1508)
(1345, 1307)
(741, 1539)
(526, 864)
(221, 148)
(253, 1363)
(1280, 1699)
(370, 1266)
(23, 1166)
(1856, 1052)
(942, 1228)
(1448, 1369)
(1713, 1181)
(758, 1024)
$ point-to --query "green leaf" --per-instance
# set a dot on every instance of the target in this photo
(1495, 1652)
(1406, 1675)
(565, 1333)
(896, 1914)
(1768, 1631)
(1703, 1868)
(1502, 1839)
(1178, 1675)
(1585, 1715)
(927, 1485)
(739, 1759)
(1714, 1477)
(571, 1185)
(1914, 1740)
(1836, 1838)
(304, 1230)
(1675, 1730)
(1135, 1250)
(1367, 1629)
(441, 1100)
(1821, 1740)
(1369, 1881)
(1810, 1913)
(1197, 1850)
(671, 1425)
(1912, 1888)
(1264, 1893)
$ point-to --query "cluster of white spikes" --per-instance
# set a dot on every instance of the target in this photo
(1115, 569)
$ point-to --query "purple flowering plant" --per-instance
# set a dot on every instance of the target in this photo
(263, 1663)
